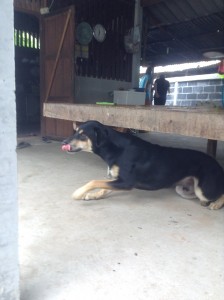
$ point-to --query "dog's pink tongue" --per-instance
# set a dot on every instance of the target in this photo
(66, 147)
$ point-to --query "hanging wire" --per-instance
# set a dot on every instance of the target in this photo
(52, 2)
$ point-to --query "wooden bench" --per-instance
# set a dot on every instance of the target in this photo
(200, 122)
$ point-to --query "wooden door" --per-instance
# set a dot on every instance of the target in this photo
(57, 68)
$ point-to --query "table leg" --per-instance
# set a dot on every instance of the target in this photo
(212, 147)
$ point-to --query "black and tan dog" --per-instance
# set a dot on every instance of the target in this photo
(135, 163)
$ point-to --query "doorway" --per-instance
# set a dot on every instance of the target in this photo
(27, 66)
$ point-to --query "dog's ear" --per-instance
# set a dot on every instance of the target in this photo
(101, 136)
(74, 126)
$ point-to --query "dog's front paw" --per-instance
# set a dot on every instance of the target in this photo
(97, 195)
(78, 194)
(90, 196)
(81, 195)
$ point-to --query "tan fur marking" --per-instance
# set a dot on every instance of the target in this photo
(217, 204)
(81, 193)
(84, 145)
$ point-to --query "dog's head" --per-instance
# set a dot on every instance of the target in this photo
(88, 137)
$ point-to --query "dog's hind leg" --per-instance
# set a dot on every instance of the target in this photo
(218, 203)
(82, 192)
(199, 193)
(185, 193)
(185, 188)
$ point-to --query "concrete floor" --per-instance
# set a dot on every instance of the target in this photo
(136, 245)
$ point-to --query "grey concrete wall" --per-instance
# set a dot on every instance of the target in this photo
(9, 270)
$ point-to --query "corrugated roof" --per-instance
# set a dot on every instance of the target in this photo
(182, 30)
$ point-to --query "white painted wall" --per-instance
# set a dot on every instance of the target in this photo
(9, 270)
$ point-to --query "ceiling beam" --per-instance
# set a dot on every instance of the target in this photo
(171, 35)
(186, 38)
(147, 3)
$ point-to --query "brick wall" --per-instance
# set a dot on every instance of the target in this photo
(195, 93)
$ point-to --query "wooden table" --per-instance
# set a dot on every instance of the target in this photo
(200, 122)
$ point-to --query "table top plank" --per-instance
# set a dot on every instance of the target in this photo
(201, 122)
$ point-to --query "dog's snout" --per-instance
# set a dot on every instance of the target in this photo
(65, 142)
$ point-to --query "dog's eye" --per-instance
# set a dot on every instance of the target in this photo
(82, 137)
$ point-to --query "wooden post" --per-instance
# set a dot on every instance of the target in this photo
(211, 147)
